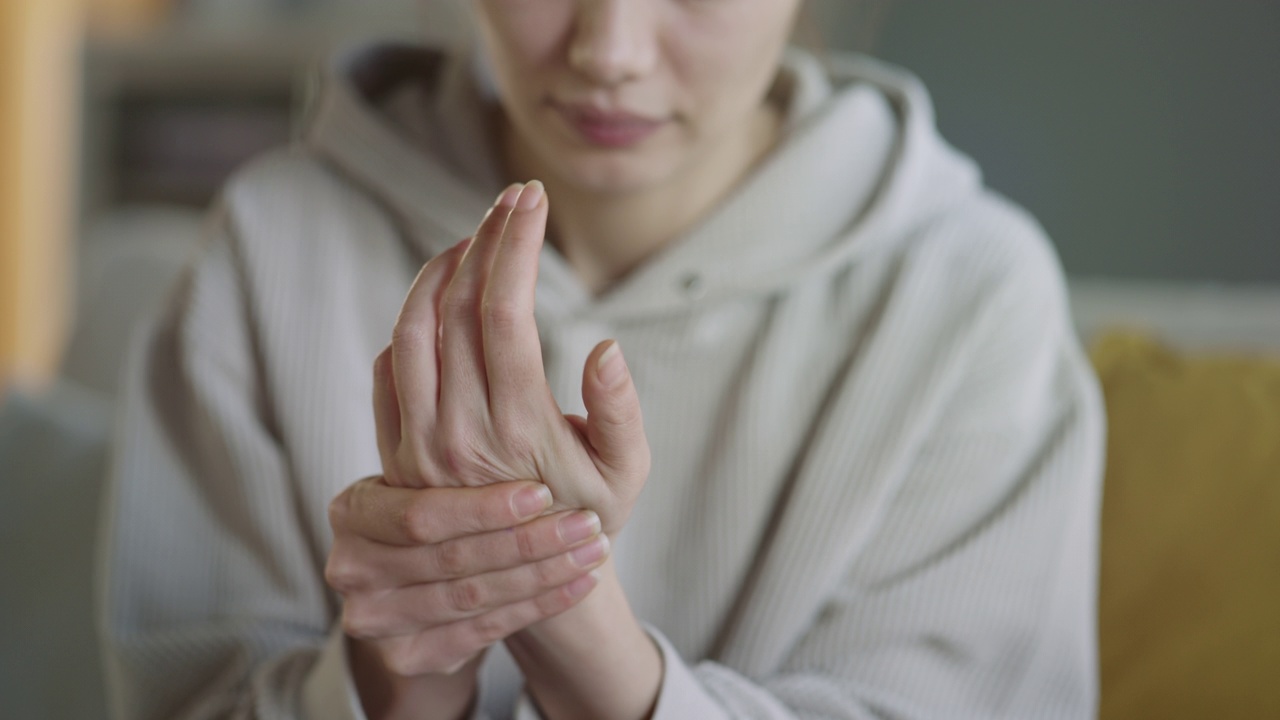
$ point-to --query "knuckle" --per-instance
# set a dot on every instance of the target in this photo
(341, 574)
(456, 459)
(416, 523)
(465, 596)
(360, 497)
(339, 508)
(453, 447)
(501, 314)
(460, 456)
(546, 573)
(358, 621)
(407, 337)
(553, 603)
(451, 559)
(490, 628)
(526, 544)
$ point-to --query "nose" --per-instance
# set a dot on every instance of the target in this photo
(614, 41)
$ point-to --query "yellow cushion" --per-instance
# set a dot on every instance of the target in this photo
(1189, 613)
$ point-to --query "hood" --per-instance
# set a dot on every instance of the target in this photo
(860, 167)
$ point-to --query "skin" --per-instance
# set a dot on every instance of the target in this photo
(702, 66)
(459, 544)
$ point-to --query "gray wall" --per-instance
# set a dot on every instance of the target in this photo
(1144, 135)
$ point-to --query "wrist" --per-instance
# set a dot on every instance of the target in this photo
(605, 608)
(595, 660)
(385, 695)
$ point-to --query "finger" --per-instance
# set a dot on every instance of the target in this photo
(615, 425)
(409, 609)
(361, 565)
(386, 408)
(462, 372)
(512, 351)
(414, 362)
(446, 646)
(495, 625)
(376, 511)
(542, 539)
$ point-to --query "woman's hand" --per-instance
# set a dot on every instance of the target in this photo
(432, 577)
(453, 548)
(461, 397)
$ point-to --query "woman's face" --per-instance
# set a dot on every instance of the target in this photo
(622, 95)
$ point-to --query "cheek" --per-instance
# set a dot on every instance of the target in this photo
(524, 38)
(725, 71)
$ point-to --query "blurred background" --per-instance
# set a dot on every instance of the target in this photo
(1144, 136)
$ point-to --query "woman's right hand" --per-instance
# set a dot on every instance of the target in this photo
(432, 577)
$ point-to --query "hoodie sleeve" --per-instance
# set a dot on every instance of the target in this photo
(210, 603)
(210, 600)
(975, 596)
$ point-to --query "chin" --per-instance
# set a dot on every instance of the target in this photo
(613, 173)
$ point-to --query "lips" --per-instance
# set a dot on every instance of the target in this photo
(608, 128)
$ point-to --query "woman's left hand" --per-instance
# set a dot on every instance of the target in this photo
(468, 402)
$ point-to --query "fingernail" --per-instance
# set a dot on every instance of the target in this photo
(591, 553)
(582, 585)
(530, 502)
(530, 196)
(610, 367)
(579, 526)
(508, 197)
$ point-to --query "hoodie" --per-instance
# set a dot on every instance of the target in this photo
(877, 447)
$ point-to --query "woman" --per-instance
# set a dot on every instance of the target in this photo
(870, 447)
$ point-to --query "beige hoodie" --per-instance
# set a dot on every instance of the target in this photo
(877, 446)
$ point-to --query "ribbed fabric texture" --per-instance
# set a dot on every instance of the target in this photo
(877, 446)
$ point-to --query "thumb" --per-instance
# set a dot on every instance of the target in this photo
(615, 427)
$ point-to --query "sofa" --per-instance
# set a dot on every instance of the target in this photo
(1189, 602)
